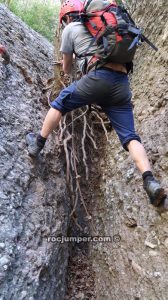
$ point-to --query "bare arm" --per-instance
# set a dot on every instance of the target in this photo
(67, 63)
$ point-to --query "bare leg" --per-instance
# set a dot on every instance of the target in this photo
(152, 187)
(139, 156)
(51, 121)
(36, 143)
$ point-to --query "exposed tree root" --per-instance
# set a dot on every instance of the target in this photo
(67, 137)
(71, 127)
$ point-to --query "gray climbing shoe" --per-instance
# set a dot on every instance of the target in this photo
(33, 148)
(154, 191)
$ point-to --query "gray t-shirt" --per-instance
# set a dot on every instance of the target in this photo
(76, 39)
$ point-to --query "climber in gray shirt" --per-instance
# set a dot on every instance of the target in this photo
(76, 39)
(106, 85)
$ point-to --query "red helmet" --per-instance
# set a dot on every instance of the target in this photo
(70, 6)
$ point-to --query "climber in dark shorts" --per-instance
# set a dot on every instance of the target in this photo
(107, 86)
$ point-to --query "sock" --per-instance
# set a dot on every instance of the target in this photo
(41, 141)
(147, 174)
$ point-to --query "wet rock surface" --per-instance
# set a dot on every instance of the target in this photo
(134, 265)
(33, 196)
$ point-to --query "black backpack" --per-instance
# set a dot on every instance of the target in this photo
(114, 32)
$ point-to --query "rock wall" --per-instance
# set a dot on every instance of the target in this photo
(33, 196)
(134, 265)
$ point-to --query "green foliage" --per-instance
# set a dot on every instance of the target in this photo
(41, 15)
(119, 2)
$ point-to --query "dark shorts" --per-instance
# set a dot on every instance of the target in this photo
(108, 89)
